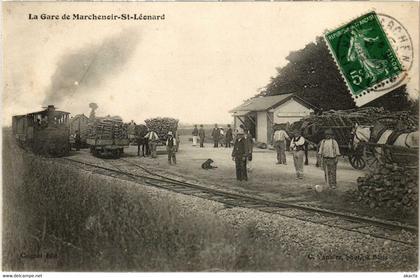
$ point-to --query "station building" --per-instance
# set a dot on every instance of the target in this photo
(260, 114)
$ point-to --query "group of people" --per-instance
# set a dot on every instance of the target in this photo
(328, 149)
(328, 153)
(198, 134)
(218, 134)
(147, 145)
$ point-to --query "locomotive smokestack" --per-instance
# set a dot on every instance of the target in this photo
(93, 106)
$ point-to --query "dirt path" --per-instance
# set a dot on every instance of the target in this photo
(267, 179)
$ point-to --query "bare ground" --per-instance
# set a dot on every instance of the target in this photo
(267, 180)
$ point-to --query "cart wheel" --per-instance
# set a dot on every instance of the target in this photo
(372, 157)
(357, 162)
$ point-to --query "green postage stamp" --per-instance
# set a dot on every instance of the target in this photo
(365, 58)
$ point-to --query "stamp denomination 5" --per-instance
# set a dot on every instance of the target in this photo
(368, 52)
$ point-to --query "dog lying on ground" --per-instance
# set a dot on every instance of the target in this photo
(207, 164)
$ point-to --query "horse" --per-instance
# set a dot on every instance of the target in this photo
(405, 139)
(380, 134)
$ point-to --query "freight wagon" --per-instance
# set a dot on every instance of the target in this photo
(107, 136)
(79, 123)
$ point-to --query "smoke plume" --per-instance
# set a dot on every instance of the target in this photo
(87, 67)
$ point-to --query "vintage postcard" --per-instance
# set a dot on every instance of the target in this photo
(210, 136)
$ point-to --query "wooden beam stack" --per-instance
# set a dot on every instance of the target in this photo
(107, 128)
(162, 126)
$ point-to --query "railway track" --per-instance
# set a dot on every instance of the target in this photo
(128, 170)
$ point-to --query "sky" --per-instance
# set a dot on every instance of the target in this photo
(197, 64)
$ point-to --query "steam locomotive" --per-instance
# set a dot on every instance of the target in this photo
(44, 132)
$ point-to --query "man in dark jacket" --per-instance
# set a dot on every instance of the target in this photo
(77, 140)
(215, 134)
(195, 135)
(240, 155)
(202, 135)
(228, 137)
(171, 147)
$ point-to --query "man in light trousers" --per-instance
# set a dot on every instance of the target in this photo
(297, 146)
(195, 135)
(329, 152)
(153, 140)
(279, 142)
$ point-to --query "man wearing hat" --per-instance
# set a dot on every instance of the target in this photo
(228, 136)
(195, 135)
(297, 145)
(171, 148)
(153, 139)
(216, 135)
(77, 140)
(202, 135)
(240, 155)
(329, 152)
(279, 141)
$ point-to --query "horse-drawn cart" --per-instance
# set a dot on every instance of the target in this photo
(370, 154)
(367, 150)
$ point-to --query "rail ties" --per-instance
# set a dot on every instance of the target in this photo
(348, 222)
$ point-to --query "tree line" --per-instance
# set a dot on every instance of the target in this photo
(311, 73)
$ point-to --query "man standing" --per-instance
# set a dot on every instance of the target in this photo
(297, 146)
(215, 135)
(329, 152)
(153, 140)
(228, 137)
(195, 135)
(202, 135)
(77, 140)
(240, 156)
(250, 147)
(177, 140)
(221, 136)
(279, 141)
(171, 143)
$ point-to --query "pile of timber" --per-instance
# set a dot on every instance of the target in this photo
(162, 126)
(391, 187)
(401, 121)
(363, 116)
(107, 128)
(342, 122)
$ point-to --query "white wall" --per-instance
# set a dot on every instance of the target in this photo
(291, 111)
(262, 127)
